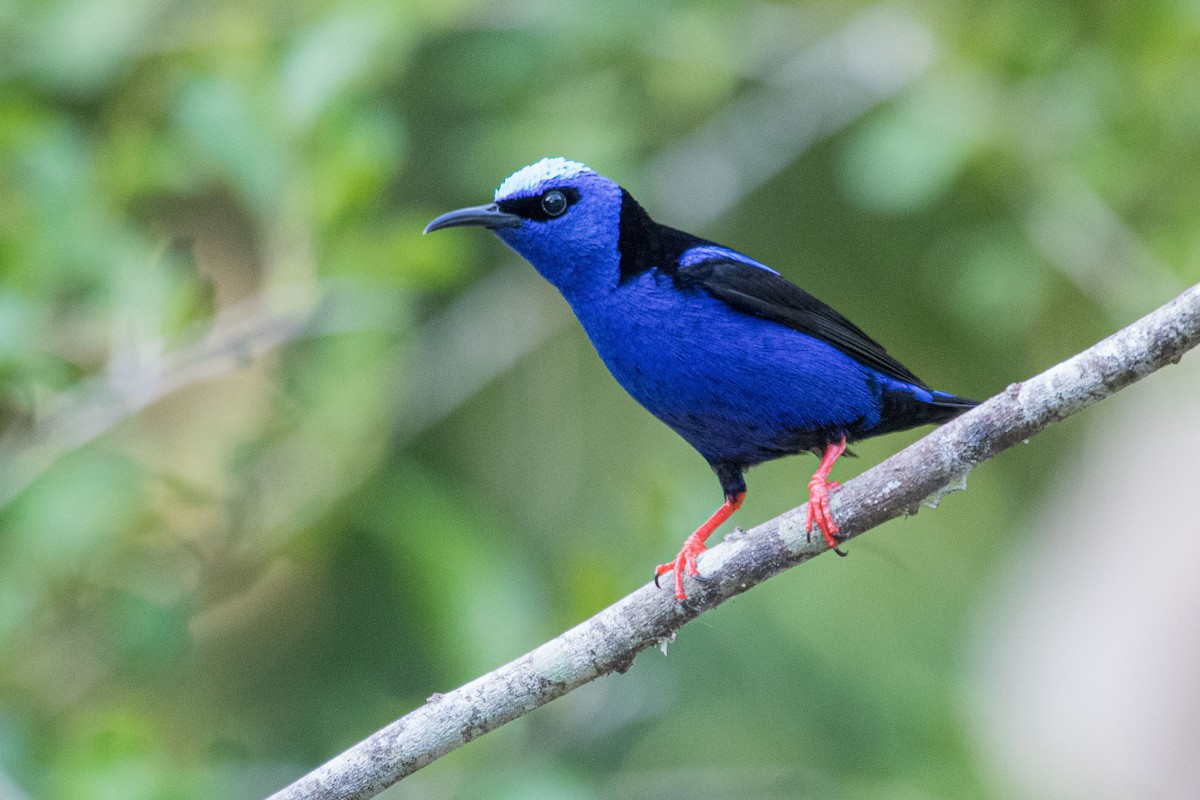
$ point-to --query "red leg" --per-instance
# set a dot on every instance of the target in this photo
(818, 494)
(694, 545)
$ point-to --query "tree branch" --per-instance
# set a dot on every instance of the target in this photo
(235, 338)
(609, 641)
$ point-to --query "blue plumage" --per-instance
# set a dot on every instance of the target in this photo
(741, 363)
(738, 388)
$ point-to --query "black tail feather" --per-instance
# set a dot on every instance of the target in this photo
(903, 410)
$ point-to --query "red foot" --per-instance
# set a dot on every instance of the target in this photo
(818, 511)
(686, 560)
(694, 546)
(818, 495)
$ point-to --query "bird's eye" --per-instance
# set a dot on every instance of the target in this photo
(554, 203)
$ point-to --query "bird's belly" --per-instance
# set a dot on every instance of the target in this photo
(737, 388)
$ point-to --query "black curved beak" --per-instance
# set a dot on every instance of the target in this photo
(489, 216)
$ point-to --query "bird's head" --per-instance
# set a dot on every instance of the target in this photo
(561, 217)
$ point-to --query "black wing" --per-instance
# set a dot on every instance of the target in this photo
(764, 294)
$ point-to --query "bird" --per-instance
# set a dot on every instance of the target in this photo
(743, 364)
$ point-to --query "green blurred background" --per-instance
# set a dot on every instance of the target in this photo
(274, 467)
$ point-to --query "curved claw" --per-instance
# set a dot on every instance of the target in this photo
(819, 512)
(819, 488)
(685, 561)
(694, 545)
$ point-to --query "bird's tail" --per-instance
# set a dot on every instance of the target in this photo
(946, 407)
(902, 409)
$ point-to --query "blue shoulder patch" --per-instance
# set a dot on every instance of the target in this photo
(711, 252)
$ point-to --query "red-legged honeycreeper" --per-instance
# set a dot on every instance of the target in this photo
(743, 364)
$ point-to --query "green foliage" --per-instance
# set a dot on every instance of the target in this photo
(229, 582)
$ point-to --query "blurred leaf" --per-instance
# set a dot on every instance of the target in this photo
(908, 156)
(63, 520)
(234, 136)
(997, 278)
(146, 637)
(79, 45)
(357, 153)
(336, 52)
